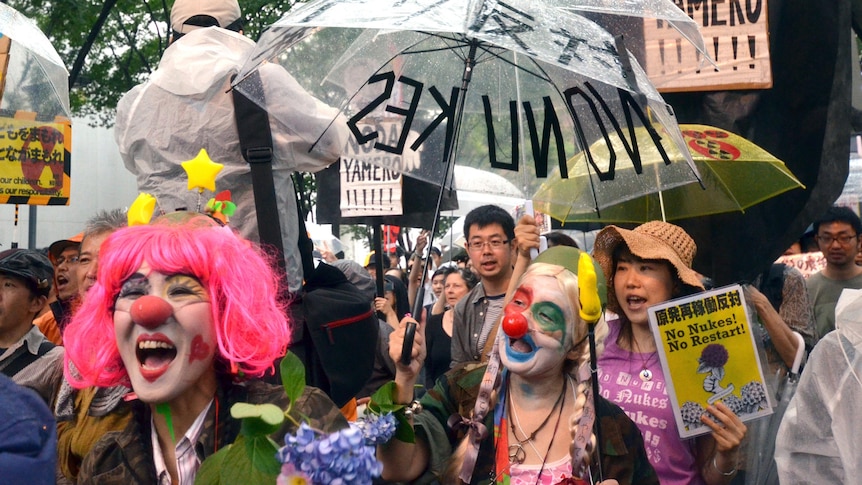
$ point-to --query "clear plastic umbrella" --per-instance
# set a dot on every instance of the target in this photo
(514, 89)
(36, 80)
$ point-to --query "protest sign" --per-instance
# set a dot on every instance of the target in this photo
(708, 354)
(369, 189)
(35, 160)
(806, 263)
(736, 36)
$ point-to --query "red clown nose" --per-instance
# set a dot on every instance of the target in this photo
(515, 325)
(150, 311)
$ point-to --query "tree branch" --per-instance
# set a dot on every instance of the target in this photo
(88, 44)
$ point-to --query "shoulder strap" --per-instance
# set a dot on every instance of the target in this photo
(26, 358)
(306, 247)
(255, 140)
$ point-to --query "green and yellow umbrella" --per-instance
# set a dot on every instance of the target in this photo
(735, 175)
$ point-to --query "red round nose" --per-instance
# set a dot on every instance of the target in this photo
(515, 325)
(150, 311)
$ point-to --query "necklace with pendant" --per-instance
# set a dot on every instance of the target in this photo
(517, 453)
(645, 374)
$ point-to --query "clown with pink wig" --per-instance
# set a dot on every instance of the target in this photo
(187, 314)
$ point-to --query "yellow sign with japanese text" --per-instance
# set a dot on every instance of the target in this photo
(708, 354)
(35, 159)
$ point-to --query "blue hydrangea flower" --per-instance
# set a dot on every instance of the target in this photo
(377, 428)
(344, 457)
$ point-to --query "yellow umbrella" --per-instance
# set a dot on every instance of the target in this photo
(736, 174)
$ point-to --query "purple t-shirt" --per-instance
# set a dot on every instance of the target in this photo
(647, 404)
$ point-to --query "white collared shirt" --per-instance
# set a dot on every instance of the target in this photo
(187, 460)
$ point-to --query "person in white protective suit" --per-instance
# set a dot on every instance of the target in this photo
(818, 440)
(186, 106)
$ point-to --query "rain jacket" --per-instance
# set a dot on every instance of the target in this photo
(818, 440)
(28, 437)
(186, 106)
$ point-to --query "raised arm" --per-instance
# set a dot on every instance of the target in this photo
(403, 462)
(414, 279)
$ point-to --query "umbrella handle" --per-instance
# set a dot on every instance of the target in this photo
(407, 349)
(800, 352)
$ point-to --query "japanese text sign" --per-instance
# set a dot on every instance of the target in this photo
(708, 354)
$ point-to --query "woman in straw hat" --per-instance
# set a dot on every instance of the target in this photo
(527, 415)
(647, 266)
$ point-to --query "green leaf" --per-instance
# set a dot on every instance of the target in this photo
(210, 471)
(262, 451)
(381, 401)
(404, 432)
(239, 466)
(383, 395)
(258, 419)
(292, 376)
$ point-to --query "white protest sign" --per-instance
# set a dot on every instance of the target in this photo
(368, 189)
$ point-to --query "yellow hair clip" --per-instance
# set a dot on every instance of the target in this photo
(591, 305)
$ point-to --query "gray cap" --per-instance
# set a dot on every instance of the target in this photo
(31, 266)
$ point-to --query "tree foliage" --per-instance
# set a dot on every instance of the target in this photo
(111, 46)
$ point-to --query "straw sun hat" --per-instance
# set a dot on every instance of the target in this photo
(652, 240)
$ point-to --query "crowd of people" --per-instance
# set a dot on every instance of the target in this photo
(124, 347)
(154, 336)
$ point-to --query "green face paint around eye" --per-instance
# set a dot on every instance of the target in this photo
(549, 317)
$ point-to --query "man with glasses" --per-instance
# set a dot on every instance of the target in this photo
(490, 233)
(837, 235)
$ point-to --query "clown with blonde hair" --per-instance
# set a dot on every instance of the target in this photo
(187, 314)
(528, 415)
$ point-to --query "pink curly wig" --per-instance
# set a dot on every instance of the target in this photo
(251, 324)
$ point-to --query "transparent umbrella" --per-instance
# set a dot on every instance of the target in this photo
(512, 89)
(36, 80)
(34, 104)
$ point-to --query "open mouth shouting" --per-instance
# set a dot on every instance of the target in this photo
(635, 302)
(520, 349)
(155, 354)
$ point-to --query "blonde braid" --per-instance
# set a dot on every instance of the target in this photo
(453, 465)
(582, 403)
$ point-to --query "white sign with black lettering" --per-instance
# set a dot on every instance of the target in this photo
(368, 189)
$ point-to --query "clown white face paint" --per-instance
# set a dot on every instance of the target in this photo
(548, 312)
(165, 334)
